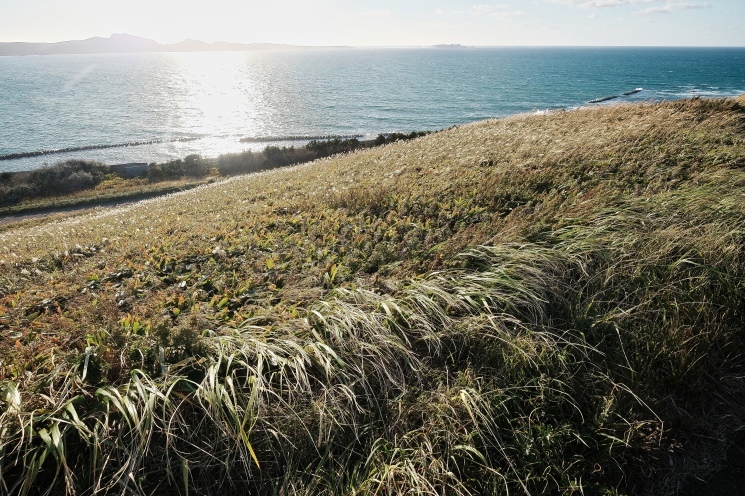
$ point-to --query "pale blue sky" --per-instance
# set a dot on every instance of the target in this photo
(384, 22)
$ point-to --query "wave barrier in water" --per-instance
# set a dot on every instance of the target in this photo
(611, 97)
(265, 139)
(13, 156)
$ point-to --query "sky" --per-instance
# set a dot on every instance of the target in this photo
(384, 22)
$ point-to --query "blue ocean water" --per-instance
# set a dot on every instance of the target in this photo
(168, 105)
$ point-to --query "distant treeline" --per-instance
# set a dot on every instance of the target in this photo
(72, 176)
(261, 139)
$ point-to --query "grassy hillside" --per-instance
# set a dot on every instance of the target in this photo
(540, 304)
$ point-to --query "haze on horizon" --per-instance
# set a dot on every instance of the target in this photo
(384, 22)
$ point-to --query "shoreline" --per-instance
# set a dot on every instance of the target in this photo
(149, 151)
(214, 145)
(234, 144)
(254, 140)
(200, 170)
(14, 214)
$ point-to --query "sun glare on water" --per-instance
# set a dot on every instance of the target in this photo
(217, 94)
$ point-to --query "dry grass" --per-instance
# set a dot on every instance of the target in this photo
(538, 304)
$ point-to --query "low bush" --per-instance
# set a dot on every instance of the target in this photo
(14, 194)
(67, 177)
(73, 176)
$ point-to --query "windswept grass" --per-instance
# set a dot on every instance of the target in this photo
(534, 305)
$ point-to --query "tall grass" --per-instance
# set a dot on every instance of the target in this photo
(560, 332)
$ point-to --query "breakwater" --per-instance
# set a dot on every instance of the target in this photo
(13, 156)
(612, 97)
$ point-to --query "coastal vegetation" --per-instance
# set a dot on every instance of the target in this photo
(77, 182)
(542, 304)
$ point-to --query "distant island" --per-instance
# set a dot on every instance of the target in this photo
(449, 45)
(125, 43)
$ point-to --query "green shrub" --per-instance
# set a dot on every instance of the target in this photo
(12, 195)
(67, 177)
(195, 165)
(166, 171)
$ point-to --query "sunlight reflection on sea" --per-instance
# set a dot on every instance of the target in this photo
(216, 98)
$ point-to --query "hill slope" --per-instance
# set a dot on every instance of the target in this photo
(539, 304)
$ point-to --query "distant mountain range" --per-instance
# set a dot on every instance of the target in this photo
(125, 43)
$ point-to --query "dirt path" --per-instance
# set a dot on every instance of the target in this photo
(44, 212)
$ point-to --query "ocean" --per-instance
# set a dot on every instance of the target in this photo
(154, 107)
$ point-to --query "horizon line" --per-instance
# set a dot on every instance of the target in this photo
(452, 45)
